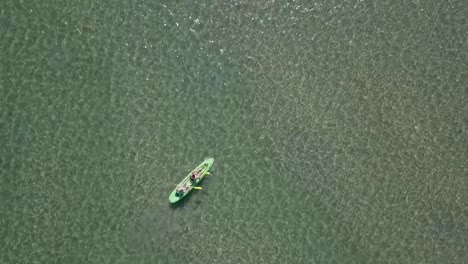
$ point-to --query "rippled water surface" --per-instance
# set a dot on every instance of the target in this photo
(338, 128)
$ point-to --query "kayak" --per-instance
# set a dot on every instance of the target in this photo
(187, 184)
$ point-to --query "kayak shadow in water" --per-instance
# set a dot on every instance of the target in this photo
(188, 197)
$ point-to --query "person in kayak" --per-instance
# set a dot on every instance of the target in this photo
(195, 175)
(180, 192)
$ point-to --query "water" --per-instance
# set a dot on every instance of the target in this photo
(339, 131)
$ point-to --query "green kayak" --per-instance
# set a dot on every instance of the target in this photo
(187, 184)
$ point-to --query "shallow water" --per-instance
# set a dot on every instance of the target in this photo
(339, 131)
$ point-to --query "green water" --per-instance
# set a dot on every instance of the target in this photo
(339, 131)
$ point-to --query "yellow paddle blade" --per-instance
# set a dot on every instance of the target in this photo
(197, 188)
(207, 173)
